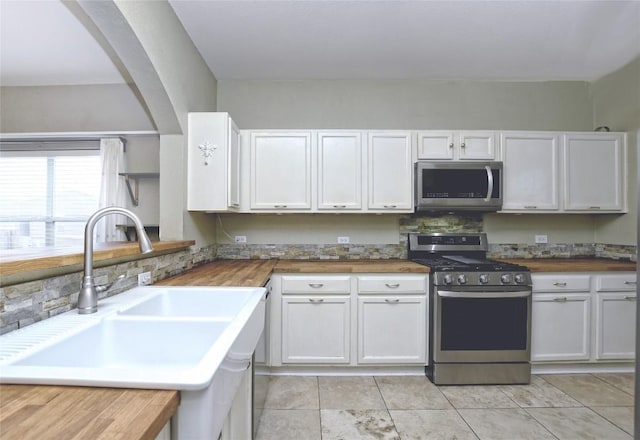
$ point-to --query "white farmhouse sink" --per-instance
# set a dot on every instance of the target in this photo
(116, 345)
(196, 340)
(192, 302)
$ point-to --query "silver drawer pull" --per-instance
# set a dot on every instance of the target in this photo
(279, 206)
(630, 298)
(462, 145)
(315, 301)
(594, 207)
(392, 286)
(560, 299)
(560, 284)
(316, 285)
(631, 283)
(392, 301)
(390, 206)
(530, 207)
(451, 145)
(339, 206)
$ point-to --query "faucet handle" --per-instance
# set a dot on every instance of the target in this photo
(105, 287)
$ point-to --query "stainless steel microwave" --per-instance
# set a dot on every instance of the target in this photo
(458, 186)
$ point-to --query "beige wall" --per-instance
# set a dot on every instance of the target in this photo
(108, 107)
(616, 103)
(561, 105)
(407, 104)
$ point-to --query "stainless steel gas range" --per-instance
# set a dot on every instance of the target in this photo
(479, 311)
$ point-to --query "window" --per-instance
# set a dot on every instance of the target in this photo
(46, 196)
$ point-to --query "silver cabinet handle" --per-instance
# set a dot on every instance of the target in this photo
(560, 299)
(489, 182)
(530, 207)
(316, 285)
(392, 301)
(390, 206)
(630, 298)
(462, 145)
(594, 207)
(631, 283)
(340, 206)
(451, 145)
(392, 286)
(315, 301)
(560, 284)
(279, 206)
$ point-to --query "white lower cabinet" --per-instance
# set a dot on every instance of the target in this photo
(561, 326)
(616, 316)
(583, 317)
(349, 319)
(315, 329)
(391, 329)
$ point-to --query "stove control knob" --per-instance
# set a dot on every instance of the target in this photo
(505, 278)
(519, 278)
(484, 278)
(448, 278)
(462, 279)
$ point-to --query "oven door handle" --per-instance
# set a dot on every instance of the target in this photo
(489, 183)
(452, 294)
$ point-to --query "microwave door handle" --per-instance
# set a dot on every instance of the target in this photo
(489, 183)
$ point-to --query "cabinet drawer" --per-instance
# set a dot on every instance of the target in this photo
(616, 283)
(387, 284)
(316, 284)
(561, 283)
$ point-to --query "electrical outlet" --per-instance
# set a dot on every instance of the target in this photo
(241, 238)
(541, 239)
(343, 240)
(144, 279)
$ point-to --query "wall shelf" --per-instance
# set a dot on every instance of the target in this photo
(135, 177)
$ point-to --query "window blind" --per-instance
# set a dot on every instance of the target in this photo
(46, 196)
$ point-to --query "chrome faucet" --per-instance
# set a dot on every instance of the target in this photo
(88, 297)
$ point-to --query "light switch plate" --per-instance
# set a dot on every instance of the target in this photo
(144, 279)
(241, 238)
(343, 240)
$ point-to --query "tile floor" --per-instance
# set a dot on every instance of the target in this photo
(568, 406)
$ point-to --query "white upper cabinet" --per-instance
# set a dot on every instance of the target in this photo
(213, 156)
(595, 172)
(531, 171)
(281, 170)
(564, 172)
(390, 166)
(339, 171)
(457, 145)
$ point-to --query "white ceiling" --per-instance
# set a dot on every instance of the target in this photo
(43, 43)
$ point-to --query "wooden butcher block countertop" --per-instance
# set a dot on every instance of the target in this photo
(349, 266)
(255, 273)
(80, 413)
(575, 265)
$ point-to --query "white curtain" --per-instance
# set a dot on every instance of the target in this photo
(112, 190)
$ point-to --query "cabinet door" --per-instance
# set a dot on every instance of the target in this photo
(339, 171)
(560, 327)
(281, 170)
(531, 171)
(315, 329)
(594, 172)
(616, 325)
(233, 196)
(435, 145)
(208, 161)
(477, 145)
(390, 176)
(392, 329)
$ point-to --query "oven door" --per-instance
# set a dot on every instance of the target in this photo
(476, 325)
